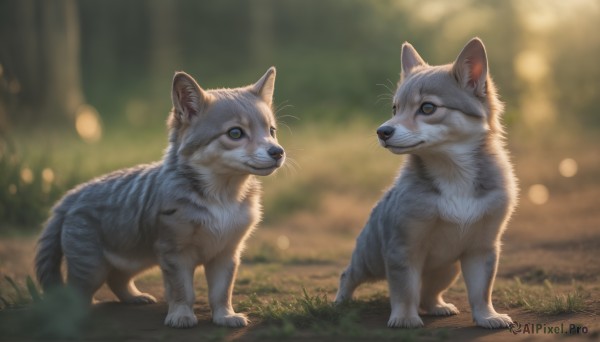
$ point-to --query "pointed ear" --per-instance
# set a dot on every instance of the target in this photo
(265, 87)
(410, 59)
(470, 67)
(189, 99)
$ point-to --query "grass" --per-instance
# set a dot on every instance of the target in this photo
(315, 315)
(37, 315)
(37, 168)
(40, 319)
(13, 295)
(319, 204)
(541, 299)
(310, 179)
(27, 188)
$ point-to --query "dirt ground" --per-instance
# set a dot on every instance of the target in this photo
(558, 241)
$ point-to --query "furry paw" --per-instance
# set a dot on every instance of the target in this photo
(235, 320)
(442, 309)
(493, 321)
(181, 317)
(405, 322)
(143, 298)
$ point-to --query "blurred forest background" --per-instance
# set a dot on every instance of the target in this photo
(85, 85)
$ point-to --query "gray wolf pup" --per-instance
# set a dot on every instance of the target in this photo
(195, 207)
(451, 202)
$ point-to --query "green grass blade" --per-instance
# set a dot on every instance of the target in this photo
(15, 287)
(33, 291)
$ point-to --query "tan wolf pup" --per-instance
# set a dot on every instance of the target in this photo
(451, 202)
(195, 207)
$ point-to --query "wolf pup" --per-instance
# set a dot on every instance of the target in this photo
(195, 207)
(451, 202)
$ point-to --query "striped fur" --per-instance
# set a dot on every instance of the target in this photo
(195, 207)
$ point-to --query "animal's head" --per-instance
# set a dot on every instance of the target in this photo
(440, 107)
(228, 131)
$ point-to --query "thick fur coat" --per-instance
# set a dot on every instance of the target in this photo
(195, 207)
(450, 204)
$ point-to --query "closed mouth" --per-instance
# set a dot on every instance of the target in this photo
(274, 166)
(405, 147)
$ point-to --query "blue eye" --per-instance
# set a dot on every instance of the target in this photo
(427, 108)
(235, 133)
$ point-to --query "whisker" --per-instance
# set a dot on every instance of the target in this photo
(282, 106)
(280, 118)
(374, 143)
(393, 85)
(386, 96)
(294, 164)
(282, 123)
(288, 116)
(383, 99)
(390, 91)
(291, 166)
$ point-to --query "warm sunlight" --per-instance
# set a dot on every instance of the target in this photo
(567, 167)
(26, 175)
(531, 65)
(283, 242)
(538, 194)
(100, 180)
(48, 175)
(88, 124)
(538, 110)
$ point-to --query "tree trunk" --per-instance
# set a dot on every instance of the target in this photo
(39, 59)
(60, 45)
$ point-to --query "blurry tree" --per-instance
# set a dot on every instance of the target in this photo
(39, 54)
(165, 38)
(331, 54)
(261, 16)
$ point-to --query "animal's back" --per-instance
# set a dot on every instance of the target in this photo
(114, 208)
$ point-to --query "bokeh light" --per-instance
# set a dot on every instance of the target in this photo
(538, 110)
(531, 65)
(26, 175)
(87, 124)
(538, 194)
(12, 189)
(48, 178)
(283, 242)
(48, 175)
(567, 167)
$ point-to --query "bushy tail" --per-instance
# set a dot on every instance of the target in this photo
(49, 253)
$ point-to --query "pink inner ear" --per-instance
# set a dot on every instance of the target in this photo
(475, 71)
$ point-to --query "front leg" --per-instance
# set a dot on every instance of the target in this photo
(178, 274)
(479, 270)
(220, 275)
(404, 282)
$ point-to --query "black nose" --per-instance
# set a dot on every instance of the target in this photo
(275, 152)
(385, 132)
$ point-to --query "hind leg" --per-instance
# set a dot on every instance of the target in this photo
(434, 284)
(86, 267)
(86, 273)
(122, 285)
(350, 279)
